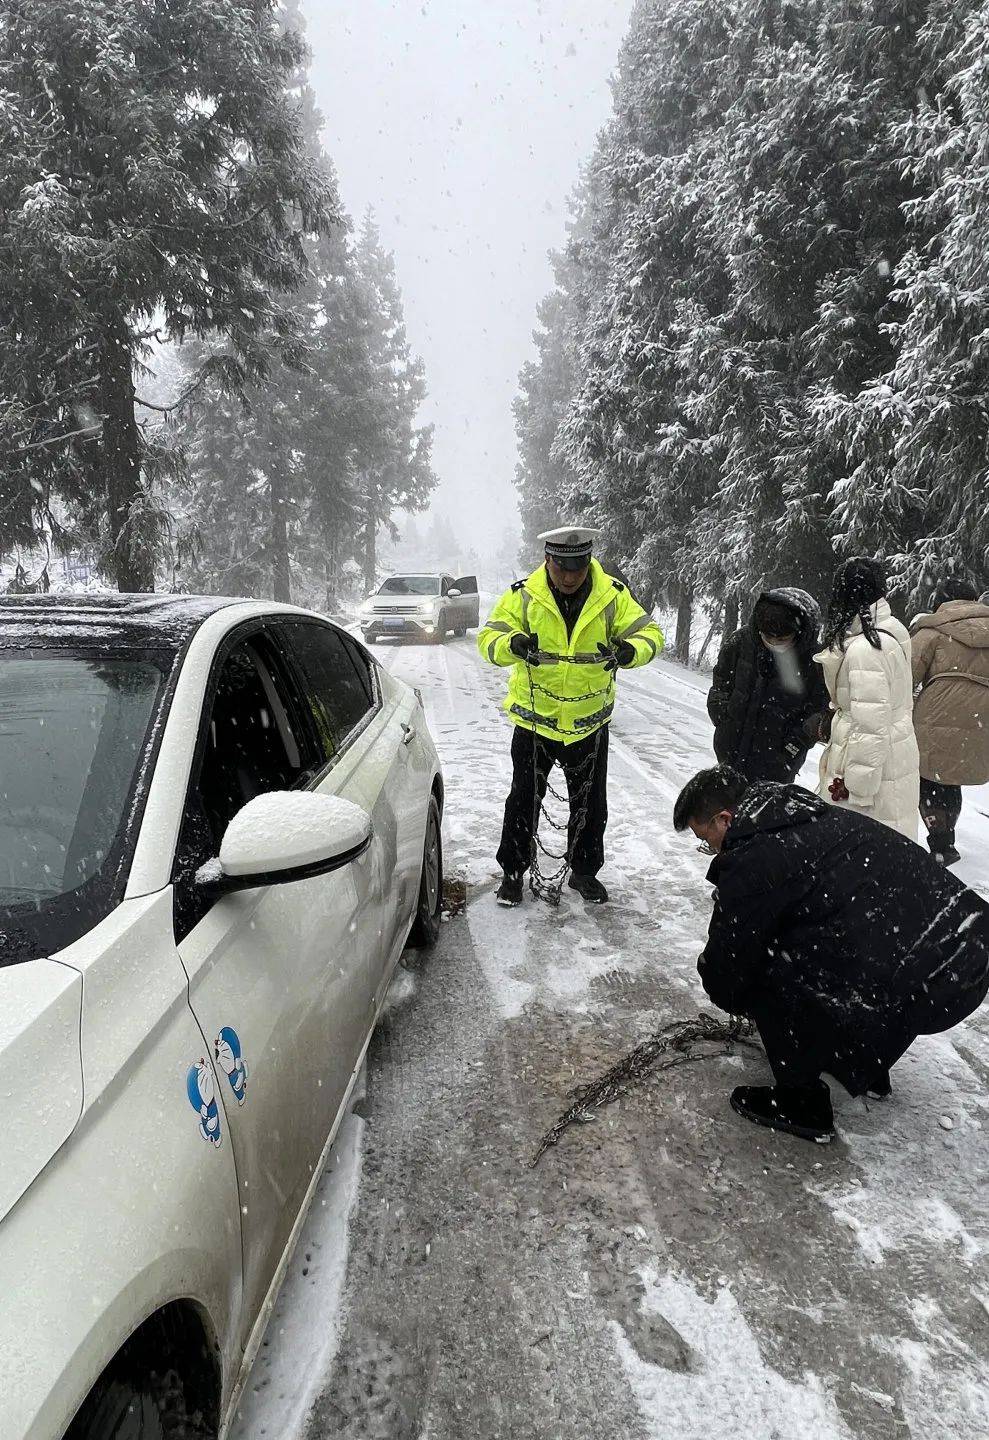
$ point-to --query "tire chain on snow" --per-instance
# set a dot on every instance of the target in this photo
(669, 1047)
(550, 887)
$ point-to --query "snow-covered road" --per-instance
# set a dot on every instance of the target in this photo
(668, 1271)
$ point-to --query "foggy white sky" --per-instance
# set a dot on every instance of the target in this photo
(464, 124)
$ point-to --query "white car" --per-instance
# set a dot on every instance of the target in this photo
(421, 607)
(219, 822)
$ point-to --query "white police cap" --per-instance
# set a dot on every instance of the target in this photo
(569, 542)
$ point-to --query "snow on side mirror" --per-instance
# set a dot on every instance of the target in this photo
(454, 593)
(285, 836)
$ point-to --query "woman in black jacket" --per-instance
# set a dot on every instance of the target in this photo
(768, 699)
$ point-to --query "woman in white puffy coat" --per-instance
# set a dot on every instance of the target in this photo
(872, 762)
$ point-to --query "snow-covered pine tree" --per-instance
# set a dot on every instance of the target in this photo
(916, 435)
(299, 447)
(396, 467)
(269, 501)
(154, 182)
(805, 206)
(544, 482)
(630, 433)
(745, 209)
(302, 463)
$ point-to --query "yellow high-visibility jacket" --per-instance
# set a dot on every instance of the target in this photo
(582, 689)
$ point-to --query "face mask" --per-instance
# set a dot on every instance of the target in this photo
(774, 643)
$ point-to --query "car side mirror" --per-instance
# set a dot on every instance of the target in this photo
(454, 594)
(283, 837)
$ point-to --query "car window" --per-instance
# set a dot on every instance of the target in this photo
(411, 585)
(364, 666)
(338, 684)
(255, 739)
(253, 742)
(74, 740)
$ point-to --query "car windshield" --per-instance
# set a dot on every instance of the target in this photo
(73, 732)
(411, 585)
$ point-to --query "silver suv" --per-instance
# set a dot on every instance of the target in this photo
(421, 607)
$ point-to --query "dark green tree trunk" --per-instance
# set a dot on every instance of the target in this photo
(130, 562)
(331, 573)
(685, 620)
(370, 552)
(281, 567)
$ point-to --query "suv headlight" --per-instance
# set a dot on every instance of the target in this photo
(367, 608)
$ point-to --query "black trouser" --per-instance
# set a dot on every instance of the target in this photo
(583, 761)
(793, 1048)
(940, 807)
(799, 1047)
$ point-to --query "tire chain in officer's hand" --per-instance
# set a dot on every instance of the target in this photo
(622, 655)
(525, 647)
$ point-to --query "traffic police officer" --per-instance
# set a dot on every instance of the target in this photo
(564, 631)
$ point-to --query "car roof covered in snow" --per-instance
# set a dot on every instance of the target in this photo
(105, 620)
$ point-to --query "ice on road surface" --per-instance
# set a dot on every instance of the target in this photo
(667, 1271)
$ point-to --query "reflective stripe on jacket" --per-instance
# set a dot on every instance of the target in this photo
(582, 690)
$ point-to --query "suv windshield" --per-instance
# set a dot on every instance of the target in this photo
(411, 585)
(73, 732)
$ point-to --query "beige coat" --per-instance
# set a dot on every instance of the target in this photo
(873, 747)
(951, 715)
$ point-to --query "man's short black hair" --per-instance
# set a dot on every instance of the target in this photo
(710, 792)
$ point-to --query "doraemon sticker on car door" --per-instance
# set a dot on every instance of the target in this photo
(201, 1083)
(228, 1056)
(202, 1097)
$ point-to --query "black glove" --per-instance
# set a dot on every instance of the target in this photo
(526, 647)
(817, 728)
(608, 658)
(622, 654)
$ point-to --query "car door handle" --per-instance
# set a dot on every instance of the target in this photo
(408, 734)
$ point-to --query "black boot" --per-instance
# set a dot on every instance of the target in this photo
(879, 1087)
(803, 1110)
(511, 889)
(941, 844)
(590, 887)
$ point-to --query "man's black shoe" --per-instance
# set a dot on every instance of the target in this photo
(590, 887)
(946, 857)
(803, 1110)
(879, 1087)
(511, 889)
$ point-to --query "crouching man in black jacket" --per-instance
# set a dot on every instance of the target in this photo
(841, 939)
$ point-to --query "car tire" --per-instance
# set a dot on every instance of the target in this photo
(461, 633)
(426, 926)
(150, 1407)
